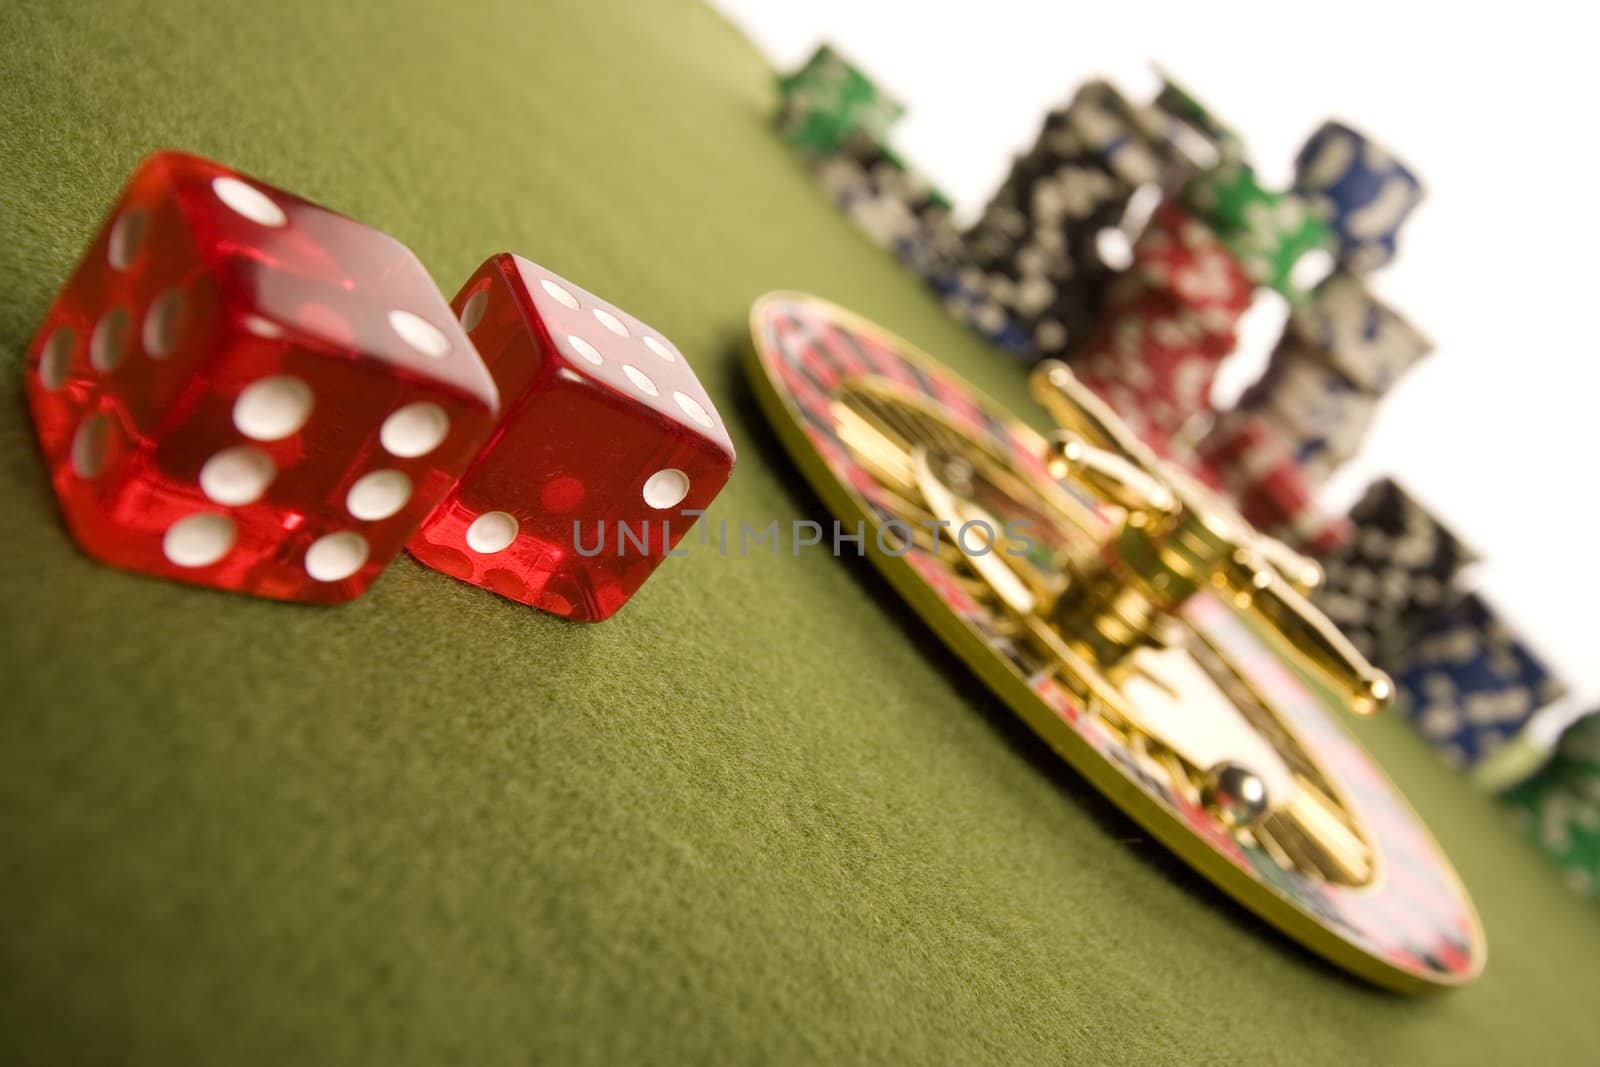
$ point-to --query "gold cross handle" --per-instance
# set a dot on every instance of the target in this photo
(1176, 537)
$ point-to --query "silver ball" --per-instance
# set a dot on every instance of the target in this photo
(1234, 794)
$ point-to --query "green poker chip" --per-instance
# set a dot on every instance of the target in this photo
(828, 100)
(1271, 233)
(1580, 743)
(1559, 807)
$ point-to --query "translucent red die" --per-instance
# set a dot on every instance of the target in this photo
(240, 389)
(607, 447)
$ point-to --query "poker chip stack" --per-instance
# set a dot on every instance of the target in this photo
(828, 100)
(1271, 238)
(1246, 458)
(1150, 341)
(1360, 190)
(1032, 275)
(893, 205)
(1038, 274)
(1463, 676)
(902, 213)
(840, 122)
(1399, 568)
(1039, 250)
(1469, 683)
(1167, 324)
(1343, 348)
(1340, 352)
(1559, 807)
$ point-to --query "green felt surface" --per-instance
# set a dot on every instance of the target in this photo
(755, 818)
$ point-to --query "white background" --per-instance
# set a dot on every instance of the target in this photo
(1497, 431)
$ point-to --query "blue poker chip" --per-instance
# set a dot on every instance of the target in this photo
(1363, 192)
(1469, 683)
(965, 298)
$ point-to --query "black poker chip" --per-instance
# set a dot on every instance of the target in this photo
(1398, 568)
(1039, 248)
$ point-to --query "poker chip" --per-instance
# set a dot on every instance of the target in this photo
(1469, 683)
(1349, 328)
(1193, 131)
(1323, 415)
(1154, 367)
(1580, 743)
(893, 205)
(1398, 569)
(1180, 256)
(976, 300)
(1559, 807)
(1361, 190)
(1167, 324)
(1249, 460)
(1121, 136)
(1273, 234)
(1039, 248)
(1340, 351)
(827, 100)
(902, 213)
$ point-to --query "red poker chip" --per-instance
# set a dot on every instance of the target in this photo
(1154, 367)
(1254, 465)
(1210, 327)
(1180, 255)
(1161, 352)
(1166, 326)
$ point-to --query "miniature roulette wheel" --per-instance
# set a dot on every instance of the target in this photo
(1156, 642)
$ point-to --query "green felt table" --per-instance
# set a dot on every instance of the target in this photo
(757, 817)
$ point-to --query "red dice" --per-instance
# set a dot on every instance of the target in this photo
(607, 447)
(240, 389)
